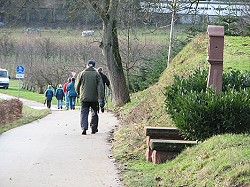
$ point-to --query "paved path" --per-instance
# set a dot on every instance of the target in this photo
(51, 152)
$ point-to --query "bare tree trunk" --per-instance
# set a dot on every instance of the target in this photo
(171, 33)
(112, 55)
(110, 47)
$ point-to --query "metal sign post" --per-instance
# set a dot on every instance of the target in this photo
(19, 75)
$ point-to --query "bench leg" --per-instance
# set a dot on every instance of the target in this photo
(148, 155)
(148, 141)
(161, 156)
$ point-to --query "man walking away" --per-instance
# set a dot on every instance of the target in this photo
(66, 93)
(89, 87)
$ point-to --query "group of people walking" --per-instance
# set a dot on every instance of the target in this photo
(89, 87)
(66, 92)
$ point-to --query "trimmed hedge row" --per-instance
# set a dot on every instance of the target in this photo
(199, 113)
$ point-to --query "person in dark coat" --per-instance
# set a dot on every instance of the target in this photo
(106, 82)
(59, 96)
(49, 94)
(89, 87)
(72, 94)
(105, 79)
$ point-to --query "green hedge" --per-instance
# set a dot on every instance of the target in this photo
(199, 113)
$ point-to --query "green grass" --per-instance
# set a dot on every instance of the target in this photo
(236, 54)
(46, 33)
(220, 161)
(15, 91)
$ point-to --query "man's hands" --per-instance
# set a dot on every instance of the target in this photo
(102, 104)
(102, 109)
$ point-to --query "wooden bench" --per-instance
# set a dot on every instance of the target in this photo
(163, 150)
(164, 143)
(169, 133)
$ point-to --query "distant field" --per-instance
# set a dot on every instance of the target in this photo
(160, 34)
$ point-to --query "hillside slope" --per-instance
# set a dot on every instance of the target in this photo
(147, 109)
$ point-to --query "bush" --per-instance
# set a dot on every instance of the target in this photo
(236, 80)
(10, 110)
(199, 113)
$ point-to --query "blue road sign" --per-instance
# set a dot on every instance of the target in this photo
(20, 69)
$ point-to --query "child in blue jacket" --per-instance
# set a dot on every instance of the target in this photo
(49, 93)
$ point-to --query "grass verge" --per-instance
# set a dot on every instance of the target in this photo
(15, 91)
(220, 161)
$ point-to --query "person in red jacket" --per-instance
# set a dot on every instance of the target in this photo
(66, 93)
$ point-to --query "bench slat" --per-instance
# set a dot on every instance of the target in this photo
(170, 145)
(163, 132)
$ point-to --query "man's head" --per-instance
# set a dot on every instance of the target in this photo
(99, 69)
(91, 63)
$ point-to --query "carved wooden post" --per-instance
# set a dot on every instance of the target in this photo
(215, 56)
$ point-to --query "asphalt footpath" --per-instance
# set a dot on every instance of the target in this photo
(51, 152)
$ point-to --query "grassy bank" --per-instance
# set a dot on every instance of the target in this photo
(220, 161)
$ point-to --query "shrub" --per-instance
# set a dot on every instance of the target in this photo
(199, 113)
(236, 80)
(10, 110)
